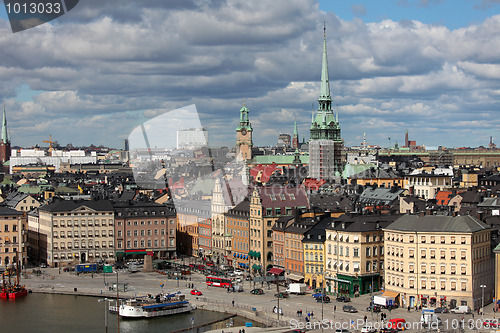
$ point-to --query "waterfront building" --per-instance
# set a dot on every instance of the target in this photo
(439, 261)
(189, 215)
(238, 227)
(144, 228)
(267, 204)
(314, 253)
(74, 232)
(13, 237)
(355, 253)
(325, 147)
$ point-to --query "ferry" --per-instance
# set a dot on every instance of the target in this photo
(13, 292)
(149, 306)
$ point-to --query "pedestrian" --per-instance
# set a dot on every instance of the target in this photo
(334, 308)
(301, 313)
(477, 310)
(233, 302)
(307, 319)
(243, 331)
(312, 314)
(365, 318)
(308, 314)
(408, 308)
(298, 313)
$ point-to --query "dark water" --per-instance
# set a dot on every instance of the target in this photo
(75, 314)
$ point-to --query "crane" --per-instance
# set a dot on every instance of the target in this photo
(50, 142)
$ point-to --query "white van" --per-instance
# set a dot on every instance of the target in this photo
(461, 309)
(430, 319)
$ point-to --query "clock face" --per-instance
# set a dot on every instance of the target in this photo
(243, 132)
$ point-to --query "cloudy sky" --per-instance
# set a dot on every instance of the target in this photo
(91, 76)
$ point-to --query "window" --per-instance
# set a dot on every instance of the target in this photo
(412, 284)
(443, 284)
(463, 255)
(462, 240)
(355, 252)
(433, 239)
(453, 254)
(412, 268)
(433, 284)
(368, 265)
(423, 269)
(464, 286)
(443, 269)
(412, 253)
(453, 269)
(375, 250)
(368, 250)
(452, 239)
(463, 270)
(422, 239)
(433, 269)
(443, 254)
(423, 283)
(412, 239)
(442, 239)
(453, 285)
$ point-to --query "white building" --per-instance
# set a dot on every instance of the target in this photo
(39, 157)
(192, 138)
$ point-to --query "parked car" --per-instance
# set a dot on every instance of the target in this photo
(387, 330)
(257, 291)
(323, 299)
(196, 292)
(281, 295)
(349, 308)
(397, 324)
(316, 295)
(491, 323)
(441, 310)
(238, 272)
(368, 329)
(343, 299)
(374, 308)
(338, 330)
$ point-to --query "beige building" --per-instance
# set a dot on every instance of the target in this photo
(426, 185)
(13, 237)
(21, 202)
(439, 261)
(355, 253)
(75, 232)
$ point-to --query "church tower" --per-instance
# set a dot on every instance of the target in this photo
(325, 145)
(295, 139)
(4, 140)
(244, 131)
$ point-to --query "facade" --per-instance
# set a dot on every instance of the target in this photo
(244, 132)
(426, 185)
(189, 214)
(314, 254)
(219, 205)
(144, 228)
(267, 204)
(192, 138)
(326, 155)
(21, 202)
(205, 238)
(238, 227)
(439, 261)
(13, 237)
(75, 232)
(355, 253)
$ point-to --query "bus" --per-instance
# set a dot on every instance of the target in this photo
(216, 281)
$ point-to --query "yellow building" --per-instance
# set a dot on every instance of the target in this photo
(13, 237)
(439, 261)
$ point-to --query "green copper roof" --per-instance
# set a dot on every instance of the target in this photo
(244, 121)
(278, 159)
(325, 82)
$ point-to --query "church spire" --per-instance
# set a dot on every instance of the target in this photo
(325, 99)
(5, 135)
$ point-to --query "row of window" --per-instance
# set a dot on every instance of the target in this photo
(371, 266)
(162, 222)
(89, 233)
(424, 253)
(76, 245)
(432, 284)
(142, 243)
(431, 239)
(7, 229)
(96, 223)
(369, 251)
(400, 267)
(72, 256)
(355, 239)
(149, 232)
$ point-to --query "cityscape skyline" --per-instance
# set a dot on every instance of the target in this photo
(99, 66)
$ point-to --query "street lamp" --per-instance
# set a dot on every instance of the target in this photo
(106, 310)
(482, 302)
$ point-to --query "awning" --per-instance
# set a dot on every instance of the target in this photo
(392, 294)
(338, 280)
(276, 271)
(256, 267)
(251, 254)
(295, 277)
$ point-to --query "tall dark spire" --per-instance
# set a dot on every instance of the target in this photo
(5, 135)
(325, 99)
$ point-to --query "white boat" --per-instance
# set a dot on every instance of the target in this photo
(149, 306)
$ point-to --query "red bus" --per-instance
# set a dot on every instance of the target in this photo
(215, 281)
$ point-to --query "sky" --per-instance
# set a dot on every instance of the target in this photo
(431, 67)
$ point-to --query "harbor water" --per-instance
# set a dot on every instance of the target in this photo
(67, 313)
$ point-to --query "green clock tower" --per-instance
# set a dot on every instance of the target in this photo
(244, 136)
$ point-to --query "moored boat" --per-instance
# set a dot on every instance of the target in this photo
(149, 306)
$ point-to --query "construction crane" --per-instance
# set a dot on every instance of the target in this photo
(50, 142)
